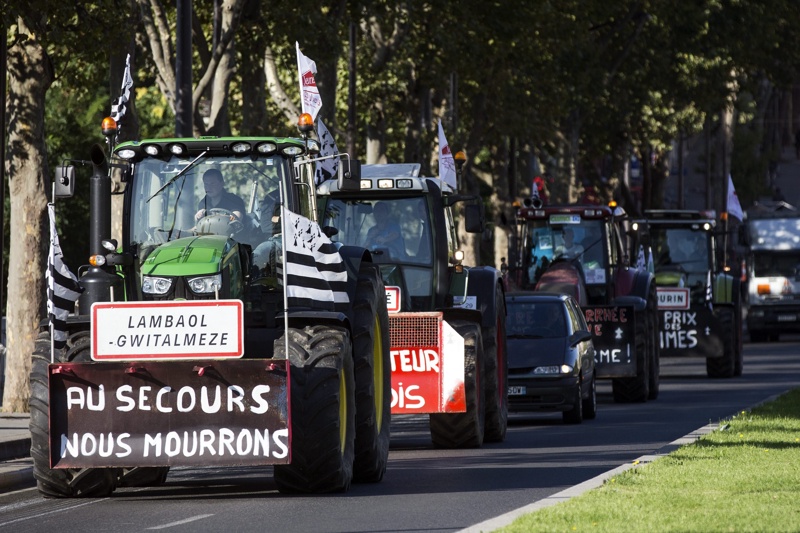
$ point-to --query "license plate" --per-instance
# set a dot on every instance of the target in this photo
(517, 391)
(787, 318)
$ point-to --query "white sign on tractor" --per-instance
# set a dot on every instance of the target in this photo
(147, 331)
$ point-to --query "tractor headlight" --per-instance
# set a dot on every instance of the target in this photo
(153, 285)
(206, 284)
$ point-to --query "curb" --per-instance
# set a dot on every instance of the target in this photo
(16, 475)
(506, 519)
(15, 449)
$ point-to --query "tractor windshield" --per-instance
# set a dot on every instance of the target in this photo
(185, 197)
(398, 233)
(578, 240)
(683, 249)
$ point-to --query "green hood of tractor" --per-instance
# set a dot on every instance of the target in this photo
(669, 279)
(189, 256)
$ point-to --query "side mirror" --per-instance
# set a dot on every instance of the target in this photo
(579, 337)
(65, 182)
(349, 178)
(473, 218)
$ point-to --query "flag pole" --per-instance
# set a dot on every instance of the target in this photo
(51, 265)
(285, 266)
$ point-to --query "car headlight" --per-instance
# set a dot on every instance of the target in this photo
(206, 284)
(153, 285)
(549, 370)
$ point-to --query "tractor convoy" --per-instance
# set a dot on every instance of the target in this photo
(228, 328)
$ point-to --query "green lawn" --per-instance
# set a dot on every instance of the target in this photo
(744, 477)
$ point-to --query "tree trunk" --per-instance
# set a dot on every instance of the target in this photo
(29, 76)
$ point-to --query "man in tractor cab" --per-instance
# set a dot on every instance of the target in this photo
(386, 232)
(571, 249)
(217, 197)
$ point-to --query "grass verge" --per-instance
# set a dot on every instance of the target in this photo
(743, 478)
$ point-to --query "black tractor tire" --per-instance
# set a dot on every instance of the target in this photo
(322, 410)
(636, 389)
(496, 373)
(738, 366)
(655, 344)
(465, 430)
(60, 483)
(575, 415)
(373, 376)
(758, 336)
(725, 366)
(590, 402)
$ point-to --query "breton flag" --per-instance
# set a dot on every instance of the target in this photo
(709, 292)
(641, 262)
(733, 206)
(315, 271)
(63, 288)
(309, 94)
(447, 164)
(118, 107)
(327, 168)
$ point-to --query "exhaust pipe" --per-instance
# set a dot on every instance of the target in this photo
(98, 281)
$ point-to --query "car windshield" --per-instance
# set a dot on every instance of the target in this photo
(776, 264)
(538, 320)
(184, 196)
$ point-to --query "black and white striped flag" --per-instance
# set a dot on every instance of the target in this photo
(119, 106)
(327, 168)
(315, 271)
(63, 288)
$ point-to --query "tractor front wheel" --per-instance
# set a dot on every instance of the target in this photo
(323, 410)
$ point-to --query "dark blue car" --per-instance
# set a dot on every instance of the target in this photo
(550, 356)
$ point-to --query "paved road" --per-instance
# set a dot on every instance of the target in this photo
(427, 489)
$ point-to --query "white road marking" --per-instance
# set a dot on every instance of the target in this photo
(181, 522)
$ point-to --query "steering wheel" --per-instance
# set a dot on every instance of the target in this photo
(219, 222)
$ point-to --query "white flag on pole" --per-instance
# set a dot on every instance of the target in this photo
(734, 207)
(315, 273)
(309, 94)
(118, 106)
(447, 164)
(327, 168)
(63, 288)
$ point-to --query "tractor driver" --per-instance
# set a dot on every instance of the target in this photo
(571, 248)
(385, 233)
(217, 197)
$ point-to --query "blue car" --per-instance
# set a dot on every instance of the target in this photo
(550, 356)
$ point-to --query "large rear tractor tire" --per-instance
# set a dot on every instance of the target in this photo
(496, 372)
(637, 388)
(725, 366)
(322, 409)
(60, 483)
(465, 430)
(373, 376)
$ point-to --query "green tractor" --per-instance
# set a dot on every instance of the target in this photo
(224, 329)
(699, 302)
